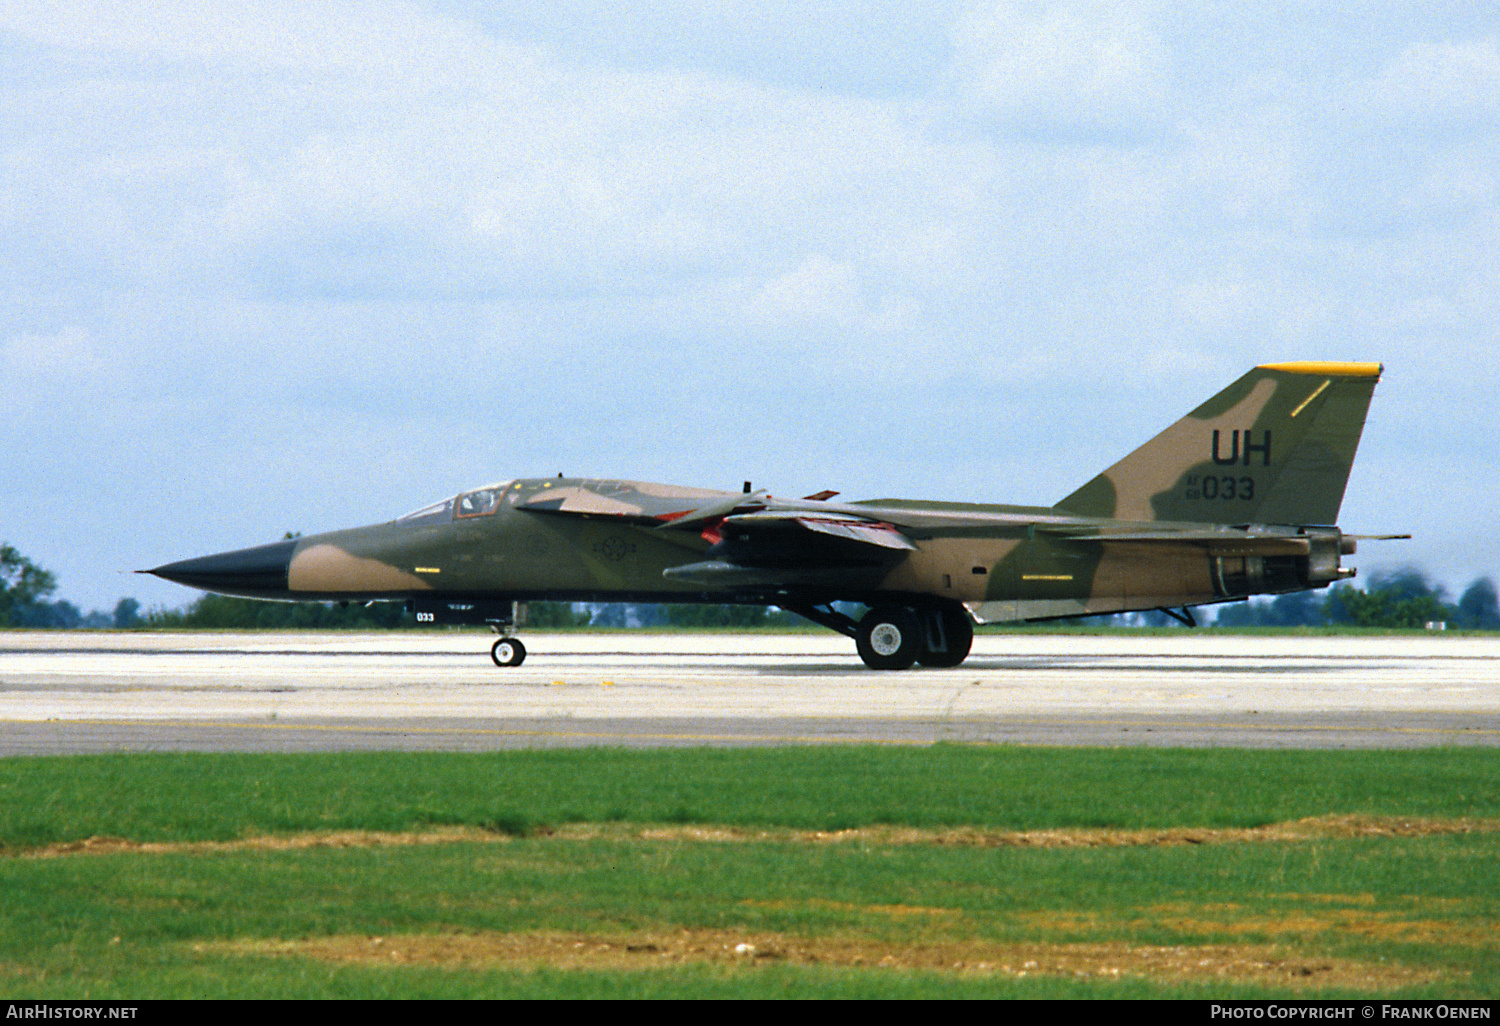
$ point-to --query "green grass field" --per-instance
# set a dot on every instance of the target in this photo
(972, 871)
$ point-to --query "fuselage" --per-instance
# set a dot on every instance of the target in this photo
(571, 539)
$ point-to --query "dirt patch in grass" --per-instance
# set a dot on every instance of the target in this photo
(273, 842)
(1298, 923)
(1313, 828)
(829, 905)
(654, 950)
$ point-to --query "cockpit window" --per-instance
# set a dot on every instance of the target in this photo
(438, 512)
(479, 503)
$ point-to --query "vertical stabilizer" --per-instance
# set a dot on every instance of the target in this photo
(1275, 447)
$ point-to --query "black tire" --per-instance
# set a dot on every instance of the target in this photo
(956, 636)
(890, 638)
(508, 652)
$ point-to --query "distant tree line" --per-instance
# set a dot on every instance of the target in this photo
(24, 591)
(222, 612)
(642, 614)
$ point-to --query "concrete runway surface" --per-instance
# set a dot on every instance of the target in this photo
(73, 692)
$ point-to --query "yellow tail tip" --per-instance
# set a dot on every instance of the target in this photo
(1328, 368)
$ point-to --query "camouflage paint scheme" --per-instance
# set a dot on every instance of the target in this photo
(1238, 498)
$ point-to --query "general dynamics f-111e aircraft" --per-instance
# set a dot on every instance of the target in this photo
(1238, 498)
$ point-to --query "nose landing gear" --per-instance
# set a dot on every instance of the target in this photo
(498, 615)
(508, 652)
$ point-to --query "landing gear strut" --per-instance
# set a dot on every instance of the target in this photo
(1186, 617)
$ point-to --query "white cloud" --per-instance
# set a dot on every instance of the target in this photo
(318, 35)
(66, 354)
(819, 291)
(1059, 66)
(43, 374)
(1442, 80)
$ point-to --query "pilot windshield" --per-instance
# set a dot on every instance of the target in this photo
(437, 513)
(480, 503)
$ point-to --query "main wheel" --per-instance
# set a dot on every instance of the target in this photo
(508, 652)
(890, 638)
(950, 635)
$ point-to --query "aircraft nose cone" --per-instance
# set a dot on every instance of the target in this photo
(259, 572)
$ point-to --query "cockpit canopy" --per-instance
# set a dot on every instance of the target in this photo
(481, 502)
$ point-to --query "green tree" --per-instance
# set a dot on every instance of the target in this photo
(127, 613)
(1296, 609)
(716, 616)
(1478, 608)
(23, 585)
(554, 614)
(1395, 598)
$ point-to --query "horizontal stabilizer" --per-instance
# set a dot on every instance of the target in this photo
(1221, 542)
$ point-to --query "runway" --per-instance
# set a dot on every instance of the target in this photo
(75, 692)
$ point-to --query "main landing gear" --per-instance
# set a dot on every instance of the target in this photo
(892, 637)
(895, 637)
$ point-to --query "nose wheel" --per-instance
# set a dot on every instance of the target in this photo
(508, 652)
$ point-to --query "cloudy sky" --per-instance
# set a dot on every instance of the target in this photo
(300, 265)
